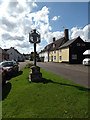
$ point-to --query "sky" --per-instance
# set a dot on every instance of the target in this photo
(19, 17)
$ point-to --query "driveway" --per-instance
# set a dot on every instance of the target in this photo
(76, 72)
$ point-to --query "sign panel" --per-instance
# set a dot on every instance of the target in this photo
(34, 37)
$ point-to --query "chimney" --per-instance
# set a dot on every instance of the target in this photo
(53, 39)
(66, 34)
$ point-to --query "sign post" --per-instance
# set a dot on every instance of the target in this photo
(34, 75)
(34, 37)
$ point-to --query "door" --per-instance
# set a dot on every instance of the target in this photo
(51, 58)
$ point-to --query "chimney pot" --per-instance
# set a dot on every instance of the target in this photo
(66, 34)
(53, 39)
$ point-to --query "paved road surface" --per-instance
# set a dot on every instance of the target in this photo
(75, 73)
(23, 64)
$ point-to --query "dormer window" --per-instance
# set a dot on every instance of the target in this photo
(54, 45)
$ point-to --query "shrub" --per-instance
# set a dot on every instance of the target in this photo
(28, 65)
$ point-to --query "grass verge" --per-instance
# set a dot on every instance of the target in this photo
(55, 97)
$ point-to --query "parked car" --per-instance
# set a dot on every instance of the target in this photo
(2, 76)
(38, 60)
(9, 67)
(86, 61)
(21, 60)
(31, 59)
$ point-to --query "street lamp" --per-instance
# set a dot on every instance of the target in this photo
(34, 37)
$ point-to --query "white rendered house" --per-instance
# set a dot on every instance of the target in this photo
(14, 54)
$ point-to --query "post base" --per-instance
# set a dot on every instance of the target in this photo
(35, 75)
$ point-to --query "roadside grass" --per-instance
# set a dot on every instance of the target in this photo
(55, 97)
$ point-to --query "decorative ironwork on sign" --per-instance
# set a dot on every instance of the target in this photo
(34, 36)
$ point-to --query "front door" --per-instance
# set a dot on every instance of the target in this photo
(51, 58)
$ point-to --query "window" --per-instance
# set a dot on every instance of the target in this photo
(60, 50)
(54, 57)
(49, 57)
(74, 57)
(78, 44)
(83, 44)
(54, 51)
(60, 58)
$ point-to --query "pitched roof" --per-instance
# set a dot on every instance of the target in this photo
(14, 49)
(57, 44)
(69, 42)
(47, 48)
(87, 52)
(6, 49)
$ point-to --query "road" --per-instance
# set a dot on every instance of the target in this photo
(23, 64)
(76, 73)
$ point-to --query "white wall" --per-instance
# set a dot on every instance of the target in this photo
(45, 55)
(13, 55)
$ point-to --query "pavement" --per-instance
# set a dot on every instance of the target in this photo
(77, 73)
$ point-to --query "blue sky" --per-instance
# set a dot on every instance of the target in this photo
(72, 14)
(50, 18)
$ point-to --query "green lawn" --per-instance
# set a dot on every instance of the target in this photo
(56, 97)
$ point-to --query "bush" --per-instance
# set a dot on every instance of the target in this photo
(28, 65)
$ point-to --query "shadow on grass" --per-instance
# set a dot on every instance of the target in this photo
(5, 90)
(45, 81)
(14, 75)
(7, 86)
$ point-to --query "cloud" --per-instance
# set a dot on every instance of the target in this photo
(82, 32)
(49, 36)
(7, 36)
(15, 25)
(23, 45)
(55, 18)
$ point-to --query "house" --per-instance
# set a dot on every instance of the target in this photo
(3, 55)
(26, 56)
(0, 54)
(44, 54)
(51, 53)
(14, 54)
(72, 51)
(54, 50)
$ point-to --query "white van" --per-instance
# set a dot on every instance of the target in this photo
(86, 61)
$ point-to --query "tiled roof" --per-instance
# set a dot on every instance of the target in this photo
(14, 49)
(6, 49)
(57, 44)
(47, 48)
(68, 43)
